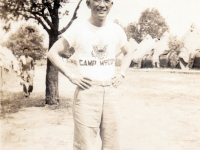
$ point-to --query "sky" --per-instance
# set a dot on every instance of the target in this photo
(178, 14)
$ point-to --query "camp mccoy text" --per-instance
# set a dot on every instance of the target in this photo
(94, 62)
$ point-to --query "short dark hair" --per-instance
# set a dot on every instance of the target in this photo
(25, 48)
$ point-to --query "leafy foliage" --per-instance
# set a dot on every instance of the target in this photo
(44, 12)
(47, 13)
(175, 44)
(132, 31)
(26, 36)
(152, 23)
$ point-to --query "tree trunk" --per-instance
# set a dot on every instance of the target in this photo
(52, 94)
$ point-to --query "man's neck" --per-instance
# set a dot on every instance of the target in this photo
(97, 22)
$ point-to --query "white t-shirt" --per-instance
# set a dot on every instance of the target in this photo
(95, 48)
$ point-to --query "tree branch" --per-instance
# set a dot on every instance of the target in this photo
(46, 19)
(72, 19)
(49, 23)
(42, 23)
(35, 17)
(48, 6)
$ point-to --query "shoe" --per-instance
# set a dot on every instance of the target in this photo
(26, 94)
(30, 88)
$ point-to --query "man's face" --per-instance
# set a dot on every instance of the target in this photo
(100, 8)
(26, 51)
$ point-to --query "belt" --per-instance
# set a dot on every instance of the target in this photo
(102, 83)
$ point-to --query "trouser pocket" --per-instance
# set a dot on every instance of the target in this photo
(87, 106)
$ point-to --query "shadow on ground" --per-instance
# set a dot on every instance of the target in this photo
(12, 102)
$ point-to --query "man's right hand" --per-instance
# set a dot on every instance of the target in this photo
(82, 82)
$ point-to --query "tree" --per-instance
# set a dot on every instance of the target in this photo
(152, 23)
(132, 31)
(26, 36)
(175, 45)
(47, 13)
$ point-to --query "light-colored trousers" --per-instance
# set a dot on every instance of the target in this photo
(30, 74)
(93, 109)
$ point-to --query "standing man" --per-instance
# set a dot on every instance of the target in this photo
(95, 41)
(27, 71)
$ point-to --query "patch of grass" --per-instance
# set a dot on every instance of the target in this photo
(12, 102)
(12, 98)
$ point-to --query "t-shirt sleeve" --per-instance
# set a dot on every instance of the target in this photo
(71, 34)
(122, 38)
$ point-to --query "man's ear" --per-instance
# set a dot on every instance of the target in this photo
(111, 4)
(88, 3)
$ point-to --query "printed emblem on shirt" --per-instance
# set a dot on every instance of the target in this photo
(99, 51)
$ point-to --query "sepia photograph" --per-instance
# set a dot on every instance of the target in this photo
(99, 75)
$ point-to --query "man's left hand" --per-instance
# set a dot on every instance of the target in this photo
(117, 80)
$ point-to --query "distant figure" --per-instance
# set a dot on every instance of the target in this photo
(27, 71)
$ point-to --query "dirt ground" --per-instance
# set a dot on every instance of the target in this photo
(159, 111)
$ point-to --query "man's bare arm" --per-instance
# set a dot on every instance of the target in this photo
(53, 55)
(127, 50)
(128, 53)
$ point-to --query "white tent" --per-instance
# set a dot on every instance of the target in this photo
(8, 58)
(133, 43)
(144, 47)
(161, 46)
(198, 48)
(192, 38)
(191, 42)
